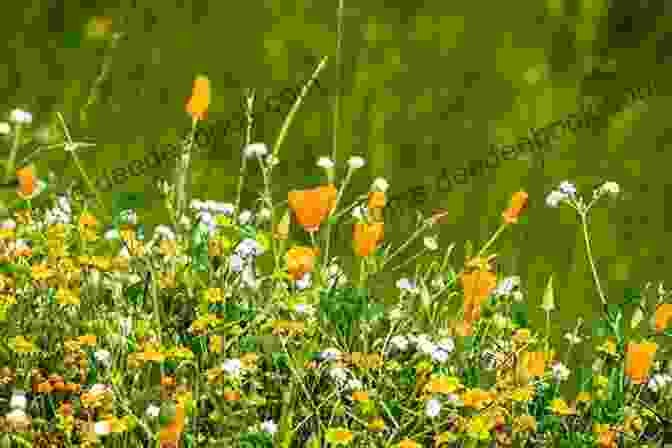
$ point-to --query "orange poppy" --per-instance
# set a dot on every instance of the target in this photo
(301, 259)
(198, 103)
(638, 360)
(367, 236)
(171, 433)
(360, 396)
(377, 199)
(27, 178)
(517, 205)
(312, 206)
(231, 395)
(534, 363)
(663, 316)
(477, 286)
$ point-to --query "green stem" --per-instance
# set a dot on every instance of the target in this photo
(9, 168)
(492, 240)
(589, 252)
(182, 174)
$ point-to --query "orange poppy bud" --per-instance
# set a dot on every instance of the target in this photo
(638, 360)
(367, 236)
(377, 199)
(198, 103)
(300, 259)
(662, 316)
(516, 207)
(27, 181)
(312, 206)
(477, 286)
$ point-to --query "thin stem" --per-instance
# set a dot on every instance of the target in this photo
(492, 240)
(589, 252)
(182, 173)
(249, 104)
(9, 168)
(337, 95)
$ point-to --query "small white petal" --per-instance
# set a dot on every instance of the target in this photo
(325, 162)
(21, 116)
(380, 184)
(356, 162)
(255, 150)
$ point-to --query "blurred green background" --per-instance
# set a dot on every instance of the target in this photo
(427, 86)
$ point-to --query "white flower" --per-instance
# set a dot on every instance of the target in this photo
(64, 204)
(21, 116)
(355, 384)
(573, 339)
(304, 282)
(407, 285)
(236, 263)
(330, 354)
(439, 355)
(325, 162)
(658, 382)
(380, 184)
(360, 211)
(506, 285)
(269, 426)
(224, 208)
(400, 342)
(152, 411)
(18, 401)
(560, 371)
(249, 248)
(245, 217)
(446, 344)
(103, 428)
(104, 357)
(303, 308)
(554, 198)
(339, 374)
(356, 162)
(433, 408)
(567, 188)
(232, 367)
(198, 205)
(424, 344)
(430, 243)
(611, 188)
(255, 150)
(5, 128)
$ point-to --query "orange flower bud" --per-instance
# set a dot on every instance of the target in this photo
(300, 259)
(198, 103)
(517, 206)
(366, 237)
(312, 206)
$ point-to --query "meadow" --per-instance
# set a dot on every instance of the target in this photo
(237, 324)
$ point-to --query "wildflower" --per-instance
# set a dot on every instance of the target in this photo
(517, 205)
(269, 426)
(443, 385)
(611, 188)
(583, 397)
(300, 260)
(330, 354)
(408, 443)
(255, 150)
(355, 384)
(533, 363)
(325, 162)
(525, 423)
(5, 128)
(249, 248)
(573, 339)
(430, 243)
(433, 408)
(360, 396)
(560, 371)
(152, 411)
(18, 400)
(339, 436)
(567, 189)
(506, 286)
(399, 342)
(29, 185)
(312, 206)
(304, 282)
(376, 200)
(104, 357)
(376, 424)
(232, 367)
(380, 184)
(606, 437)
(638, 360)
(304, 308)
(554, 198)
(356, 162)
(663, 316)
(339, 374)
(21, 116)
(477, 287)
(198, 103)
(479, 427)
(360, 212)
(366, 237)
(659, 382)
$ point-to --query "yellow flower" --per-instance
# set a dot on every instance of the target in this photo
(198, 103)
(583, 397)
(524, 423)
(523, 393)
(479, 427)
(608, 347)
(66, 296)
(339, 436)
(23, 345)
(376, 424)
(216, 344)
(477, 398)
(558, 406)
(87, 339)
(443, 385)
(214, 295)
(41, 271)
